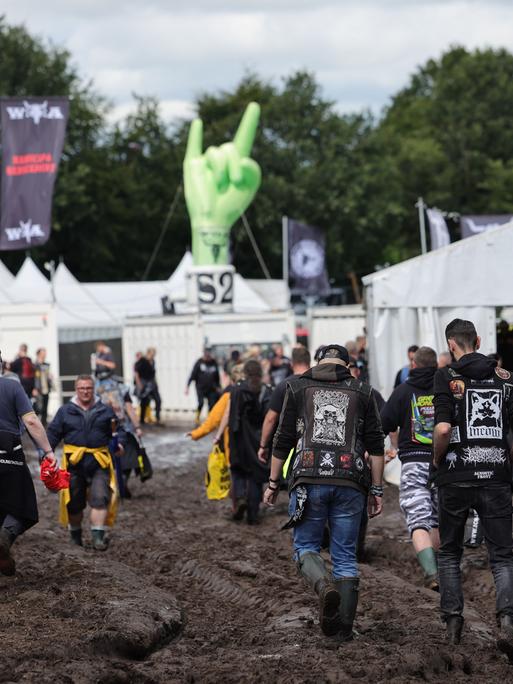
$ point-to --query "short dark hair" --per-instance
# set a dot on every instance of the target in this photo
(301, 356)
(414, 348)
(253, 369)
(462, 332)
(425, 357)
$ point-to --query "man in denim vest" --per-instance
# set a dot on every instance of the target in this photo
(331, 419)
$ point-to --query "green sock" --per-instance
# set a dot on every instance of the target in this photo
(427, 560)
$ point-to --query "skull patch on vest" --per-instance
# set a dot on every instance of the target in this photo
(330, 416)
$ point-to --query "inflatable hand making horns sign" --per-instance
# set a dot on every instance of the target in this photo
(219, 186)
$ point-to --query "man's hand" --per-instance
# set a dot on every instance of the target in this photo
(219, 186)
(374, 505)
(263, 455)
(270, 496)
(50, 457)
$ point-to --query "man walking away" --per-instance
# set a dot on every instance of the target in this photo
(331, 419)
(473, 413)
(300, 364)
(410, 408)
(24, 369)
(146, 384)
(205, 374)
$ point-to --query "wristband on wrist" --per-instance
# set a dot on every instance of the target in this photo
(273, 489)
(50, 451)
(274, 481)
(376, 490)
(263, 447)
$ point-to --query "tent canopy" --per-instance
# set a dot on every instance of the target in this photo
(412, 302)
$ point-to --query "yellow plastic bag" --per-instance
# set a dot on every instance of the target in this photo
(217, 477)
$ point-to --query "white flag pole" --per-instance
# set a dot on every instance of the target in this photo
(422, 225)
(285, 247)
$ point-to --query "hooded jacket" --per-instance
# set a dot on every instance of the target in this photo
(410, 408)
(476, 398)
(331, 419)
(89, 429)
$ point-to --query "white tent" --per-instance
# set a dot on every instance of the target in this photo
(412, 302)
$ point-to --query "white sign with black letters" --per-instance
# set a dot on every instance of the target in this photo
(211, 288)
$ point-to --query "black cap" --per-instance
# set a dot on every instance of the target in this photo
(342, 352)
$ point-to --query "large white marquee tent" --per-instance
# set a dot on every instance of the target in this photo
(412, 302)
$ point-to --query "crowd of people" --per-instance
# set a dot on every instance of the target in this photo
(313, 427)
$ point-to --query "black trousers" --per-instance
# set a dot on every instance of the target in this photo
(211, 395)
(145, 402)
(493, 505)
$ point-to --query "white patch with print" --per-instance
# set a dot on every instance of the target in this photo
(455, 435)
(327, 460)
(483, 456)
(484, 414)
(330, 415)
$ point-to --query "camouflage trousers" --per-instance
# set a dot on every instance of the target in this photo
(418, 501)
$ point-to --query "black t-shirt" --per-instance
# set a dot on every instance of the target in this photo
(278, 395)
(145, 369)
(280, 372)
(14, 404)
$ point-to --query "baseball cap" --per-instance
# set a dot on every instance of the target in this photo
(342, 352)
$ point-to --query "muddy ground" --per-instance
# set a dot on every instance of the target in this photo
(185, 595)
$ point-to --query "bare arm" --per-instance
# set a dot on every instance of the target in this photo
(132, 415)
(270, 422)
(38, 434)
(441, 441)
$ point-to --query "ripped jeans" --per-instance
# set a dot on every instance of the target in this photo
(493, 505)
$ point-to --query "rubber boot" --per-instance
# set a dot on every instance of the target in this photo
(347, 588)
(313, 569)
(99, 541)
(197, 417)
(7, 564)
(76, 537)
(454, 626)
(505, 640)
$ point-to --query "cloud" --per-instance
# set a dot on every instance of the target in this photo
(362, 52)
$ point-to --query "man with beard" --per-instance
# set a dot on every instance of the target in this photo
(85, 425)
(332, 420)
(410, 408)
(473, 401)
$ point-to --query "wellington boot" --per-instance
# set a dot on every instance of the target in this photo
(100, 543)
(76, 537)
(241, 505)
(505, 640)
(7, 564)
(432, 582)
(347, 588)
(197, 418)
(454, 626)
(313, 569)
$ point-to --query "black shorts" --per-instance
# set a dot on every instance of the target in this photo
(93, 489)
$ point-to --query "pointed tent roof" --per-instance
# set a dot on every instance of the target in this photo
(6, 277)
(77, 307)
(30, 285)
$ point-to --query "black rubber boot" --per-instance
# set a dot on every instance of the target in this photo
(454, 626)
(505, 640)
(7, 564)
(99, 541)
(76, 537)
(313, 569)
(348, 588)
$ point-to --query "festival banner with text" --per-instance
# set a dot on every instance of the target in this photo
(33, 131)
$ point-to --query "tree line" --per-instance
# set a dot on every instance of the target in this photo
(447, 135)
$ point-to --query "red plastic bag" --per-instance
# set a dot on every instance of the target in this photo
(53, 478)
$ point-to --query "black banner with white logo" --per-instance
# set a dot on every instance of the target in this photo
(473, 225)
(33, 132)
(307, 259)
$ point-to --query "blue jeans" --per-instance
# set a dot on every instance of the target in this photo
(342, 508)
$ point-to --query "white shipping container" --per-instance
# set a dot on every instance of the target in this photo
(335, 324)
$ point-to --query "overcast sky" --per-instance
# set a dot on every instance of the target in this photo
(362, 51)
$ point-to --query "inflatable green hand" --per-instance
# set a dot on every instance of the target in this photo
(219, 186)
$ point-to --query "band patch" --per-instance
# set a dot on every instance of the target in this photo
(455, 435)
(503, 373)
(484, 414)
(457, 388)
(307, 459)
(483, 456)
(330, 417)
(345, 460)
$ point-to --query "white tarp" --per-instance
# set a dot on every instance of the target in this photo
(412, 302)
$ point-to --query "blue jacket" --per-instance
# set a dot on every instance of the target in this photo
(90, 428)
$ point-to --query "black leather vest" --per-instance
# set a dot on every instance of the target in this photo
(329, 430)
(478, 450)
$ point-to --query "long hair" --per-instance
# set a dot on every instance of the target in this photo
(253, 372)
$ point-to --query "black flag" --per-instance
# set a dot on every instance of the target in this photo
(33, 132)
(307, 259)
